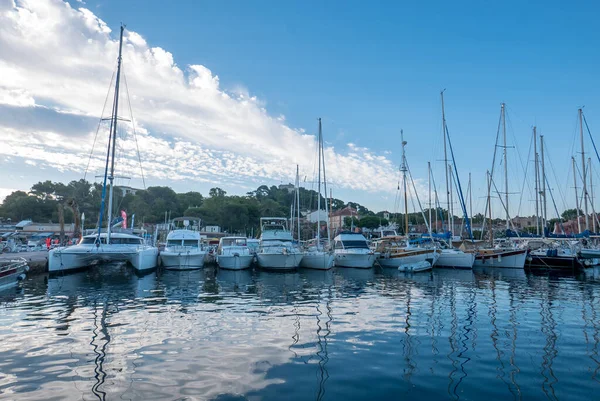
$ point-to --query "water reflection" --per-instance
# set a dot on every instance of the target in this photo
(108, 333)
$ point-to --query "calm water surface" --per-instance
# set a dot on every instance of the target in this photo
(339, 335)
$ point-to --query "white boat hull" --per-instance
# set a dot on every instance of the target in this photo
(317, 260)
(234, 262)
(77, 257)
(416, 267)
(182, 260)
(454, 258)
(355, 260)
(409, 259)
(512, 259)
(279, 261)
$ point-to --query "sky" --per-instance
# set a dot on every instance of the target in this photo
(228, 93)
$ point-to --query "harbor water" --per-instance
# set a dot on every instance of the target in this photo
(346, 334)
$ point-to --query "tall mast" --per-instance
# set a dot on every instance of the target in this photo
(113, 124)
(505, 164)
(543, 178)
(451, 209)
(592, 195)
(325, 187)
(445, 157)
(583, 172)
(403, 169)
(537, 180)
(576, 194)
(470, 197)
(429, 182)
(319, 193)
(298, 200)
(489, 180)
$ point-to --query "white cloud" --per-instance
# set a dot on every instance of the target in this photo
(58, 61)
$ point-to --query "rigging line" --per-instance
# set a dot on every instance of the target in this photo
(523, 168)
(489, 186)
(591, 137)
(99, 123)
(133, 126)
(418, 200)
(549, 159)
(460, 192)
(525, 177)
(555, 208)
(504, 206)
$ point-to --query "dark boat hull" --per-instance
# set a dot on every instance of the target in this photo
(554, 262)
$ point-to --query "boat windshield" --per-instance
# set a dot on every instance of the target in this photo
(128, 241)
(92, 240)
(193, 243)
(273, 227)
(234, 242)
(174, 242)
(358, 244)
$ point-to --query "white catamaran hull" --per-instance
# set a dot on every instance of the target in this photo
(174, 260)
(78, 257)
(356, 260)
(455, 258)
(317, 260)
(279, 261)
(234, 262)
(513, 259)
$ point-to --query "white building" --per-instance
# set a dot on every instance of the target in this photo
(212, 229)
(317, 215)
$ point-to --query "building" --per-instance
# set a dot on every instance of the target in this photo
(128, 190)
(290, 187)
(523, 222)
(317, 215)
(212, 229)
(336, 219)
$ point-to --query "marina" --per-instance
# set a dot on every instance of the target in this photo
(298, 209)
(219, 334)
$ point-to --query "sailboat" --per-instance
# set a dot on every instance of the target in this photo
(505, 255)
(316, 256)
(449, 255)
(106, 246)
(396, 251)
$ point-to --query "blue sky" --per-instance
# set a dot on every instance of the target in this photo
(371, 69)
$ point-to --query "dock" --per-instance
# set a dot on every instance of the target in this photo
(37, 261)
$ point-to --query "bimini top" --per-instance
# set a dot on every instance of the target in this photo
(184, 234)
(350, 236)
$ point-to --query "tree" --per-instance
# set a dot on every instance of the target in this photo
(372, 222)
(216, 193)
(571, 214)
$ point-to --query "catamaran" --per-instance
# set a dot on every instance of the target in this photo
(106, 246)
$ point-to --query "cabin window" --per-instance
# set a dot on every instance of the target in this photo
(355, 244)
(191, 243)
(174, 242)
(338, 245)
(87, 241)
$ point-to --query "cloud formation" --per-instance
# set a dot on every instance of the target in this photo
(56, 63)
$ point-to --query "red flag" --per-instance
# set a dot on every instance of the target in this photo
(124, 217)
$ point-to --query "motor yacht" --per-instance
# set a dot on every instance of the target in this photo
(277, 250)
(352, 250)
(184, 249)
(233, 253)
